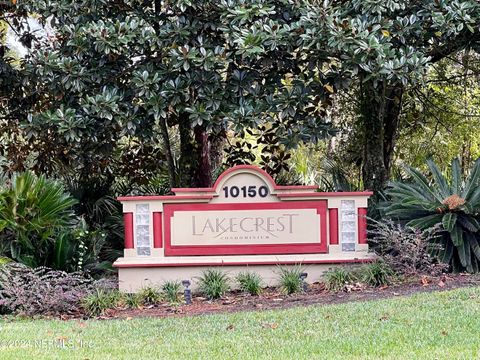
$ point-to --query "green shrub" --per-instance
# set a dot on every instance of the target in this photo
(5, 260)
(133, 301)
(150, 295)
(290, 281)
(249, 282)
(101, 300)
(41, 291)
(213, 283)
(453, 203)
(33, 211)
(78, 248)
(171, 291)
(407, 251)
(337, 278)
(377, 273)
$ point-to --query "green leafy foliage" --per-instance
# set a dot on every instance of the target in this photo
(113, 86)
(289, 278)
(377, 273)
(439, 115)
(452, 202)
(150, 295)
(171, 291)
(101, 300)
(213, 283)
(337, 278)
(34, 211)
(127, 73)
(249, 282)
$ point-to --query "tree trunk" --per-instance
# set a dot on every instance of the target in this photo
(195, 168)
(169, 155)
(380, 107)
(391, 121)
(217, 145)
(187, 155)
(203, 172)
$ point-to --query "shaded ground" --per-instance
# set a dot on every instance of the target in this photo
(272, 298)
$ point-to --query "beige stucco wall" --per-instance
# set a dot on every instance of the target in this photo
(133, 279)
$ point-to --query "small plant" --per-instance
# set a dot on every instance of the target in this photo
(377, 273)
(290, 280)
(171, 290)
(213, 283)
(250, 282)
(150, 295)
(132, 301)
(101, 300)
(337, 278)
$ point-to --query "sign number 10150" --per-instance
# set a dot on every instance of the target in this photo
(245, 191)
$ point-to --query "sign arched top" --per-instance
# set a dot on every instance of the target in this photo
(245, 183)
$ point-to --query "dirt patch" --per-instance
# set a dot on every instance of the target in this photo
(272, 298)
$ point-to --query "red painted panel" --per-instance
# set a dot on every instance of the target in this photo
(179, 190)
(362, 225)
(128, 223)
(293, 248)
(333, 225)
(243, 263)
(157, 230)
(325, 194)
(164, 197)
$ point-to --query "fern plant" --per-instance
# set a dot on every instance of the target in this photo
(450, 202)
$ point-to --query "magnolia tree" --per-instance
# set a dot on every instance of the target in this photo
(387, 46)
(158, 71)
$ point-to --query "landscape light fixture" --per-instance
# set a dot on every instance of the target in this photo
(187, 293)
(303, 276)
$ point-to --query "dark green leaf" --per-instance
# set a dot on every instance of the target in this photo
(449, 221)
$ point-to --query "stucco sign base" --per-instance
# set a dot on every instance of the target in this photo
(132, 280)
(244, 222)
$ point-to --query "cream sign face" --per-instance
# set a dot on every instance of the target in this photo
(237, 227)
(201, 229)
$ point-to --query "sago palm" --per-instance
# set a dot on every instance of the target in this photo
(32, 211)
(452, 203)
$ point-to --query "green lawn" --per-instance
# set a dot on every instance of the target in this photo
(441, 325)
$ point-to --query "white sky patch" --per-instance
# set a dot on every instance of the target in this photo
(13, 41)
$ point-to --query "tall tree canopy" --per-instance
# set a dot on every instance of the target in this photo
(113, 71)
(386, 46)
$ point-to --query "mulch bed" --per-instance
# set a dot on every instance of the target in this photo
(272, 298)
